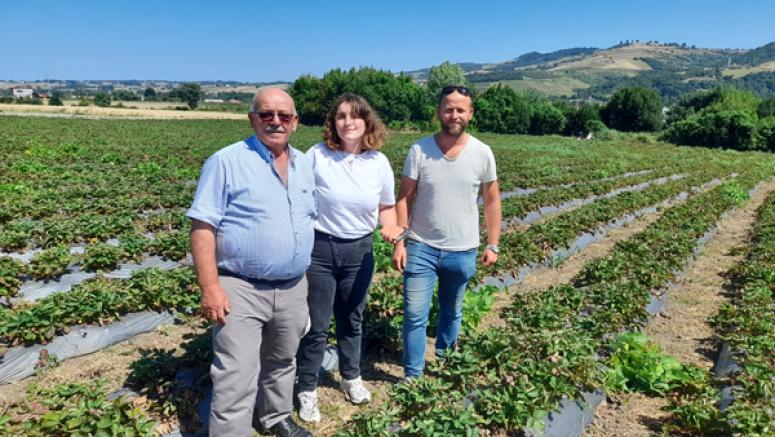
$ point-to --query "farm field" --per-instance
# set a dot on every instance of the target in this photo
(145, 110)
(600, 239)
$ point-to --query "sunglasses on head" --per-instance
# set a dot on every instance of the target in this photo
(268, 116)
(459, 88)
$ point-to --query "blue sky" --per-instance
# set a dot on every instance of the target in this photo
(267, 41)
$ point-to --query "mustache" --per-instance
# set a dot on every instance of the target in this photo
(274, 130)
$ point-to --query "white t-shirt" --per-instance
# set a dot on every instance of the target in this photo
(445, 214)
(349, 190)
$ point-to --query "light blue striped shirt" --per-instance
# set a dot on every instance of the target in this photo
(263, 230)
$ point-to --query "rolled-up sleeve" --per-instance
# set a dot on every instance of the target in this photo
(211, 195)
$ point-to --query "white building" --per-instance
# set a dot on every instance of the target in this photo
(22, 92)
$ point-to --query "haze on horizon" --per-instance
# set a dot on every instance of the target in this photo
(200, 41)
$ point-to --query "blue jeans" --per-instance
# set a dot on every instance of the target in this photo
(424, 266)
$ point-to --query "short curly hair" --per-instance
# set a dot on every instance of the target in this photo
(375, 132)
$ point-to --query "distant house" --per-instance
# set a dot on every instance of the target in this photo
(234, 101)
(22, 92)
(213, 100)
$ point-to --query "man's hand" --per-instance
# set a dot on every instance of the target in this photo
(215, 304)
(488, 257)
(390, 233)
(399, 256)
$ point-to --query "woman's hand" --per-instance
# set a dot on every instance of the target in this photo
(399, 256)
(390, 233)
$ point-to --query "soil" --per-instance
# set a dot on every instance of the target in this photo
(111, 363)
(682, 330)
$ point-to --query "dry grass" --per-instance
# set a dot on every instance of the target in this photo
(740, 72)
(622, 58)
(97, 112)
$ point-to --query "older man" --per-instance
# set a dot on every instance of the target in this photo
(251, 237)
(442, 177)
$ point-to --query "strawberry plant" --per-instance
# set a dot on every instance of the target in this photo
(171, 245)
(133, 245)
(77, 409)
(10, 270)
(50, 263)
(100, 257)
(747, 324)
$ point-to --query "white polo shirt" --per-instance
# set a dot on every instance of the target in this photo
(349, 190)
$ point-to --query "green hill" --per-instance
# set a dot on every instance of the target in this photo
(591, 73)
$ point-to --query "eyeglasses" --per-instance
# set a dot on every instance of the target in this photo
(452, 88)
(267, 117)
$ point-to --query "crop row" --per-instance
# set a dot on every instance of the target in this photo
(383, 316)
(519, 206)
(747, 325)
(99, 301)
(510, 377)
(20, 234)
(536, 243)
(98, 257)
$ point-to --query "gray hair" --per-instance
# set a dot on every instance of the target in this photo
(254, 102)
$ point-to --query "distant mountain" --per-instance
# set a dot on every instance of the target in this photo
(586, 72)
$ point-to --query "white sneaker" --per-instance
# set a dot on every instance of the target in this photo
(355, 391)
(308, 406)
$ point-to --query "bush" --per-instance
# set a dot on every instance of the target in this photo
(546, 120)
(727, 129)
(189, 92)
(55, 100)
(501, 110)
(766, 108)
(634, 110)
(577, 121)
(29, 101)
(102, 100)
(767, 133)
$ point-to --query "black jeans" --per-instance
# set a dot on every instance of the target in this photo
(339, 278)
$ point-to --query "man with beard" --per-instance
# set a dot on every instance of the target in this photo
(442, 177)
(251, 237)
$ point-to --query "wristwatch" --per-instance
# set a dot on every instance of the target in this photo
(493, 248)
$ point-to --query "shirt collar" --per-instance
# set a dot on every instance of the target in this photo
(264, 151)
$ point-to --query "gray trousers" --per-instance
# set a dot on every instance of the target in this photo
(254, 362)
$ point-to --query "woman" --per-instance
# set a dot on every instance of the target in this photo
(354, 191)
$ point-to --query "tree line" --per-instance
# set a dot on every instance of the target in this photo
(723, 117)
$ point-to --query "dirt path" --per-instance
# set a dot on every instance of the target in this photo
(111, 363)
(683, 331)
